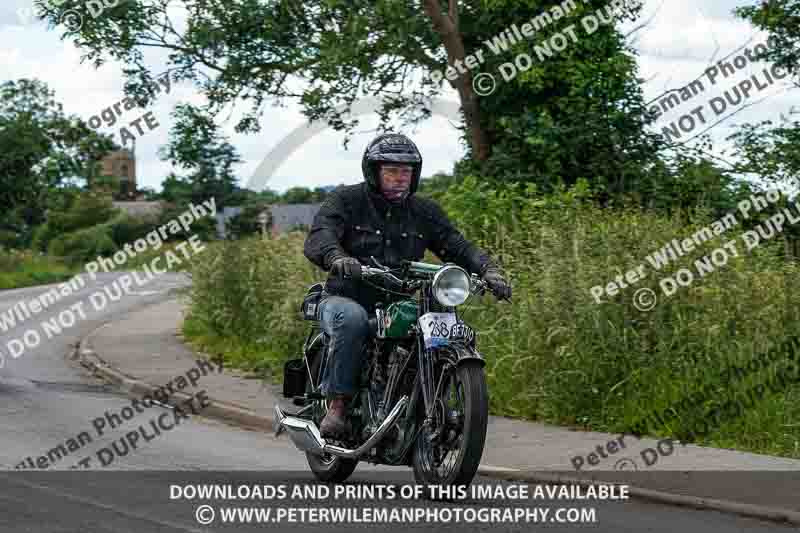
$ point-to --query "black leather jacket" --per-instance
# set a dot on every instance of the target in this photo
(354, 221)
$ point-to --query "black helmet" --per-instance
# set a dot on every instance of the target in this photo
(390, 148)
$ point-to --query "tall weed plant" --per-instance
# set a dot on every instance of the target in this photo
(249, 292)
(555, 354)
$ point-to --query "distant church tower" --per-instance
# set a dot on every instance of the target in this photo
(122, 164)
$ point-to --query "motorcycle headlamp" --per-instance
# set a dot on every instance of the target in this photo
(451, 286)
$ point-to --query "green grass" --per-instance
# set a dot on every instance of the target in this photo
(252, 357)
(25, 269)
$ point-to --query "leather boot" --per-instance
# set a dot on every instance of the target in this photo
(335, 422)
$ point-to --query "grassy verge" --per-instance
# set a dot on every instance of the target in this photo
(555, 354)
(26, 269)
(252, 357)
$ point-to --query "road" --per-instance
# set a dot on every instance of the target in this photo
(47, 399)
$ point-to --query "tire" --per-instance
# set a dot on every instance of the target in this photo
(476, 417)
(328, 468)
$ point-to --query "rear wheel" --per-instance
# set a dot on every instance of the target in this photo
(327, 467)
(450, 452)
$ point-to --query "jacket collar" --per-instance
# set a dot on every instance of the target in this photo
(382, 204)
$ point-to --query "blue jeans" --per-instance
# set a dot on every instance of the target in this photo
(347, 325)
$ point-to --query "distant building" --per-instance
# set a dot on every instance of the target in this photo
(122, 164)
(223, 217)
(141, 209)
(292, 216)
(282, 218)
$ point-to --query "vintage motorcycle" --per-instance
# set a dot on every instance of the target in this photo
(423, 400)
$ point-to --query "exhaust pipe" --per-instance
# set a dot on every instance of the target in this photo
(306, 437)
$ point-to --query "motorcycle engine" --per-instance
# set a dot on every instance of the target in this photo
(382, 374)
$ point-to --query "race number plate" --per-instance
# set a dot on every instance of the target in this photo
(439, 329)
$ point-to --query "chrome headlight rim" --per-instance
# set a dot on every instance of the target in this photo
(447, 269)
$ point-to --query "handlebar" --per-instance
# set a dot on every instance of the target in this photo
(368, 271)
(478, 286)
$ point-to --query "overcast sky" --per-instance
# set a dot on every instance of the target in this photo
(679, 43)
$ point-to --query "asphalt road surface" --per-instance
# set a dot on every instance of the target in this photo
(47, 399)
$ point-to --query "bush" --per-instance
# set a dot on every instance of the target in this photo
(84, 245)
(125, 229)
(205, 228)
(10, 239)
(246, 222)
(88, 209)
(82, 211)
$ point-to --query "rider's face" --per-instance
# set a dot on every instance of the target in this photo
(395, 180)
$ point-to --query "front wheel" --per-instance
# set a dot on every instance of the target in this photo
(449, 452)
(327, 468)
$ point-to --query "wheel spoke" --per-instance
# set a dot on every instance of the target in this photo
(440, 459)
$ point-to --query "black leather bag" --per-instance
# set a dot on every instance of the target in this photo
(294, 378)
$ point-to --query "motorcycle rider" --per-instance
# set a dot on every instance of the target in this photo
(379, 218)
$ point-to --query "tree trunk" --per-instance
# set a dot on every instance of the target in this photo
(446, 25)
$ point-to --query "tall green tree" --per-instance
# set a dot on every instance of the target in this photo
(773, 152)
(41, 149)
(574, 113)
(298, 195)
(770, 153)
(196, 145)
(781, 18)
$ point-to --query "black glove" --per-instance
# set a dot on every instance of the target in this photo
(346, 268)
(497, 284)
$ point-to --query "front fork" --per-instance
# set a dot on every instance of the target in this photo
(451, 358)
(430, 390)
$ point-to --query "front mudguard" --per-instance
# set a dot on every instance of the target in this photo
(458, 354)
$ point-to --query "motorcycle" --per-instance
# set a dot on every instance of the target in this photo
(423, 400)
